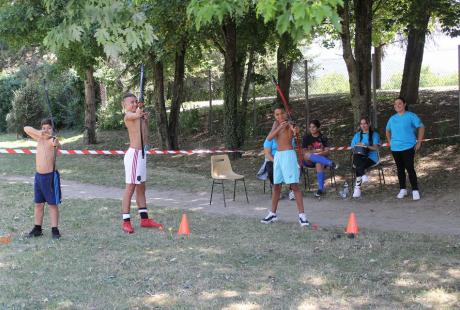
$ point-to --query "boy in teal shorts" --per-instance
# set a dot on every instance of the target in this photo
(285, 168)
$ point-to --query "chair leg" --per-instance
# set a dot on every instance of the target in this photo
(383, 176)
(264, 186)
(212, 190)
(234, 190)
(304, 180)
(245, 191)
(223, 193)
(308, 180)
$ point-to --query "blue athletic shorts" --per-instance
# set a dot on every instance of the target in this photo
(47, 188)
(285, 168)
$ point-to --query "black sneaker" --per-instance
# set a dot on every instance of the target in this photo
(269, 219)
(303, 222)
(55, 233)
(334, 166)
(319, 193)
(35, 232)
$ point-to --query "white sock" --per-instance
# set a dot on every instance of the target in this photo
(271, 213)
(302, 216)
(126, 216)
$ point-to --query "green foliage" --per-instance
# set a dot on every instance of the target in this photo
(190, 121)
(27, 109)
(298, 17)
(8, 85)
(330, 83)
(427, 79)
(118, 26)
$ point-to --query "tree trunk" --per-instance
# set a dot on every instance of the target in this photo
(285, 64)
(159, 102)
(378, 50)
(245, 95)
(177, 96)
(90, 107)
(414, 53)
(232, 83)
(359, 65)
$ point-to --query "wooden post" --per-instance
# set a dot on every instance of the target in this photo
(210, 102)
(374, 91)
(307, 103)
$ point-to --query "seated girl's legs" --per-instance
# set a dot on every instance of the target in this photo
(361, 164)
(298, 197)
(323, 160)
(320, 176)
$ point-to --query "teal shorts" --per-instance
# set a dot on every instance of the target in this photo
(285, 168)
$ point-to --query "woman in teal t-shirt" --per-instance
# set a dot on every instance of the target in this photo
(401, 132)
(369, 139)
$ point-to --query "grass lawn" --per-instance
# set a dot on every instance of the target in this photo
(230, 263)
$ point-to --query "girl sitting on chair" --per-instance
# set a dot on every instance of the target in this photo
(316, 151)
(365, 152)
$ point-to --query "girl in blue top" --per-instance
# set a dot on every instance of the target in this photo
(401, 135)
(361, 161)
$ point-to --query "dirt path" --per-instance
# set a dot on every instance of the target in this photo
(433, 215)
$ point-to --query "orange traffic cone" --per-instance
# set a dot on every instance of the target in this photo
(352, 227)
(183, 227)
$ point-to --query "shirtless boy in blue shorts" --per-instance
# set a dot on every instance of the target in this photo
(47, 185)
(285, 168)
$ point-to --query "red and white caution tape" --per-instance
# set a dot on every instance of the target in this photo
(172, 152)
(118, 152)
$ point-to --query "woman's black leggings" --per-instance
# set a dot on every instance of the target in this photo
(361, 164)
(405, 161)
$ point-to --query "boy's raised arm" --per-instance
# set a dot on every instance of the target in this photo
(33, 133)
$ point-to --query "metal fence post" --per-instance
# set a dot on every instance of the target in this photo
(307, 103)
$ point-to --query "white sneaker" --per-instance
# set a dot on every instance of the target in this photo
(415, 195)
(364, 178)
(357, 192)
(402, 194)
(291, 195)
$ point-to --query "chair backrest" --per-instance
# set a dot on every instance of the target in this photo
(220, 165)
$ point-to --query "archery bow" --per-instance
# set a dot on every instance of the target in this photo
(290, 119)
(45, 86)
(141, 100)
(53, 126)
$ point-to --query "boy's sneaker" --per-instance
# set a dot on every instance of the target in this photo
(319, 193)
(270, 218)
(35, 232)
(291, 195)
(357, 192)
(364, 178)
(55, 234)
(127, 227)
(149, 223)
(415, 195)
(402, 193)
(303, 221)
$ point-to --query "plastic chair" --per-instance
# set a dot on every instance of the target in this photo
(221, 170)
(377, 166)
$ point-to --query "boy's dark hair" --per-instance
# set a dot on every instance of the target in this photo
(316, 123)
(128, 95)
(278, 106)
(46, 121)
